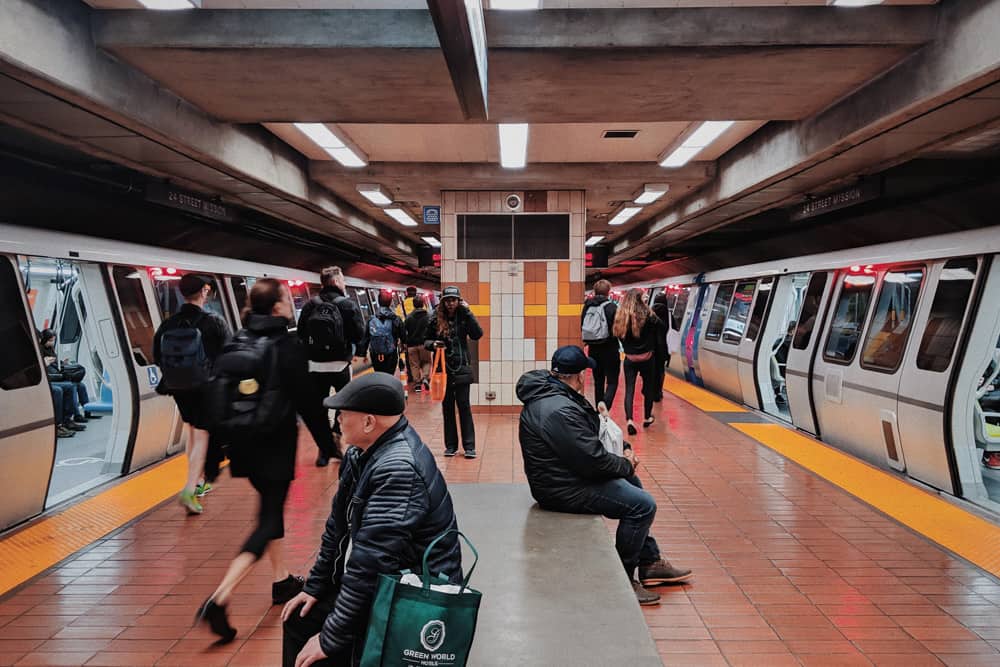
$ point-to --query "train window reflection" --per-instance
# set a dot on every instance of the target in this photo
(890, 325)
(757, 316)
(241, 290)
(720, 307)
(947, 311)
(679, 306)
(169, 296)
(738, 311)
(135, 312)
(19, 362)
(810, 309)
(849, 318)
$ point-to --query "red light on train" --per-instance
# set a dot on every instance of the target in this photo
(171, 271)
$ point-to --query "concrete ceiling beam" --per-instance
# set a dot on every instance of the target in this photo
(462, 35)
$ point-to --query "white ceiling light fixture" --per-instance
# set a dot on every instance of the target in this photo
(374, 193)
(170, 4)
(431, 241)
(624, 215)
(513, 145)
(323, 136)
(701, 138)
(651, 192)
(515, 4)
(401, 216)
(855, 3)
(594, 240)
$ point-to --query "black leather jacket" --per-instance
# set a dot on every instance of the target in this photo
(391, 503)
(559, 443)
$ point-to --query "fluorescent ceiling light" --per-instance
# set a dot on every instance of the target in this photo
(431, 241)
(515, 4)
(322, 136)
(374, 193)
(855, 3)
(708, 132)
(401, 216)
(651, 192)
(624, 215)
(167, 4)
(513, 145)
(594, 240)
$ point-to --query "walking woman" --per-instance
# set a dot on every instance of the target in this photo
(638, 330)
(453, 325)
(269, 461)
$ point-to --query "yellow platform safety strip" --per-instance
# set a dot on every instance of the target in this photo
(37, 547)
(955, 529)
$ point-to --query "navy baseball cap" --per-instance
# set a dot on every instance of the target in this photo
(451, 292)
(571, 359)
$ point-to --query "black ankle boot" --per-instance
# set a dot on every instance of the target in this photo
(217, 619)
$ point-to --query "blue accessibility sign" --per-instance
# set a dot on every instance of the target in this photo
(154, 375)
(432, 215)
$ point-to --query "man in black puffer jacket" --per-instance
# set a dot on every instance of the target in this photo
(391, 503)
(569, 470)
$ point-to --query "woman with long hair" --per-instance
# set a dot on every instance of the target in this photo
(269, 460)
(451, 328)
(637, 327)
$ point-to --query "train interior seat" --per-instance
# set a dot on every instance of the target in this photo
(105, 403)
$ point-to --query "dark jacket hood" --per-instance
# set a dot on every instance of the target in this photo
(536, 385)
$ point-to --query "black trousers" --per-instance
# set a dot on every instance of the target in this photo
(270, 514)
(647, 370)
(606, 374)
(297, 631)
(458, 395)
(385, 363)
(318, 418)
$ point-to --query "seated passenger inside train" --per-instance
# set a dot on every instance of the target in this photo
(987, 413)
(66, 378)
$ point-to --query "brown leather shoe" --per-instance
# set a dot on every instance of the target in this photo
(645, 597)
(662, 572)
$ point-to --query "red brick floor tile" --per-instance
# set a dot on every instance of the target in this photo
(39, 659)
(693, 660)
(107, 659)
(960, 646)
(968, 660)
(763, 660)
(839, 660)
(755, 646)
(905, 660)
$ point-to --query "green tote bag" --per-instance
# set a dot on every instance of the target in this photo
(419, 626)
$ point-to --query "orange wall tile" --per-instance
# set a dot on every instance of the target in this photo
(564, 292)
(484, 293)
(563, 272)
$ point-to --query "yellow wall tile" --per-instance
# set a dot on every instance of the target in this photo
(533, 310)
(480, 310)
(570, 309)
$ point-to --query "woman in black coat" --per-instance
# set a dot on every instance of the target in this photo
(268, 462)
(639, 330)
(662, 310)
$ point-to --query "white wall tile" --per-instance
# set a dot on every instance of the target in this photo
(506, 395)
(576, 271)
(449, 248)
(529, 349)
(507, 305)
(507, 373)
(517, 308)
(496, 349)
(551, 326)
(517, 327)
(505, 350)
(551, 347)
(448, 272)
(506, 328)
(485, 372)
(461, 272)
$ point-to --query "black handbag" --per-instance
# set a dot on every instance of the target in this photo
(74, 372)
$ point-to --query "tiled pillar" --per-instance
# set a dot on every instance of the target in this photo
(527, 308)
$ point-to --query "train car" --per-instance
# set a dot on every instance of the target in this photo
(103, 300)
(889, 352)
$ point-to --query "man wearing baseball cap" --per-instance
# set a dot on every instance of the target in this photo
(391, 503)
(569, 470)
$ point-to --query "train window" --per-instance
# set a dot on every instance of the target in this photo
(890, 325)
(739, 309)
(680, 305)
(135, 311)
(71, 329)
(757, 316)
(169, 295)
(241, 290)
(849, 318)
(947, 312)
(810, 310)
(717, 318)
(19, 362)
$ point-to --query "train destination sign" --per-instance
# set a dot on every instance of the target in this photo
(835, 201)
(186, 200)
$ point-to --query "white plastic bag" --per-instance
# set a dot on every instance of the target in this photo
(610, 433)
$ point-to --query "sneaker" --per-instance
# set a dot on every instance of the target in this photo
(470, 453)
(991, 460)
(190, 502)
(63, 432)
(322, 461)
(92, 415)
(80, 419)
(645, 597)
(73, 426)
(202, 489)
(217, 619)
(662, 572)
(427, 385)
(419, 387)
(284, 590)
(450, 452)
(631, 429)
(646, 423)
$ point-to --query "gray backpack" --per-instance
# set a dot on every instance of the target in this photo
(595, 324)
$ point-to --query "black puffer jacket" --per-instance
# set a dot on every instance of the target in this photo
(559, 443)
(391, 503)
(462, 327)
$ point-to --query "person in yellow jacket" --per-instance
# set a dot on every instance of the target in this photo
(407, 306)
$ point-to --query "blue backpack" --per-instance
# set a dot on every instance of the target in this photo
(380, 335)
(183, 360)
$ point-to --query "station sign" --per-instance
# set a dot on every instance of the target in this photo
(834, 201)
(166, 194)
(432, 215)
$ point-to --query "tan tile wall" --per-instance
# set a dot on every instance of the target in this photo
(527, 308)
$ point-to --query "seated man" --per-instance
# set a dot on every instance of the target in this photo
(391, 503)
(569, 470)
(75, 391)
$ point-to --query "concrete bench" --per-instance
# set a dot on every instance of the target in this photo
(554, 592)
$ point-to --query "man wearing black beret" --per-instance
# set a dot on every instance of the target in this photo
(391, 502)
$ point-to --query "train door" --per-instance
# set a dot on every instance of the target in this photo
(747, 356)
(27, 434)
(975, 405)
(719, 340)
(677, 299)
(84, 366)
(691, 333)
(775, 343)
(804, 343)
(157, 430)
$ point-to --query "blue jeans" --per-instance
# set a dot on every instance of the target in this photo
(70, 403)
(623, 499)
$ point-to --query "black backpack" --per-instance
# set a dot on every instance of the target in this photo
(183, 360)
(325, 337)
(245, 399)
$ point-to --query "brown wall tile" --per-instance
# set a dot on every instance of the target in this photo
(576, 292)
(473, 272)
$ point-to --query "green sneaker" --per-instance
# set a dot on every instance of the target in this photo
(202, 489)
(190, 502)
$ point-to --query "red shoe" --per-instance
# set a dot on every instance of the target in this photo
(991, 460)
